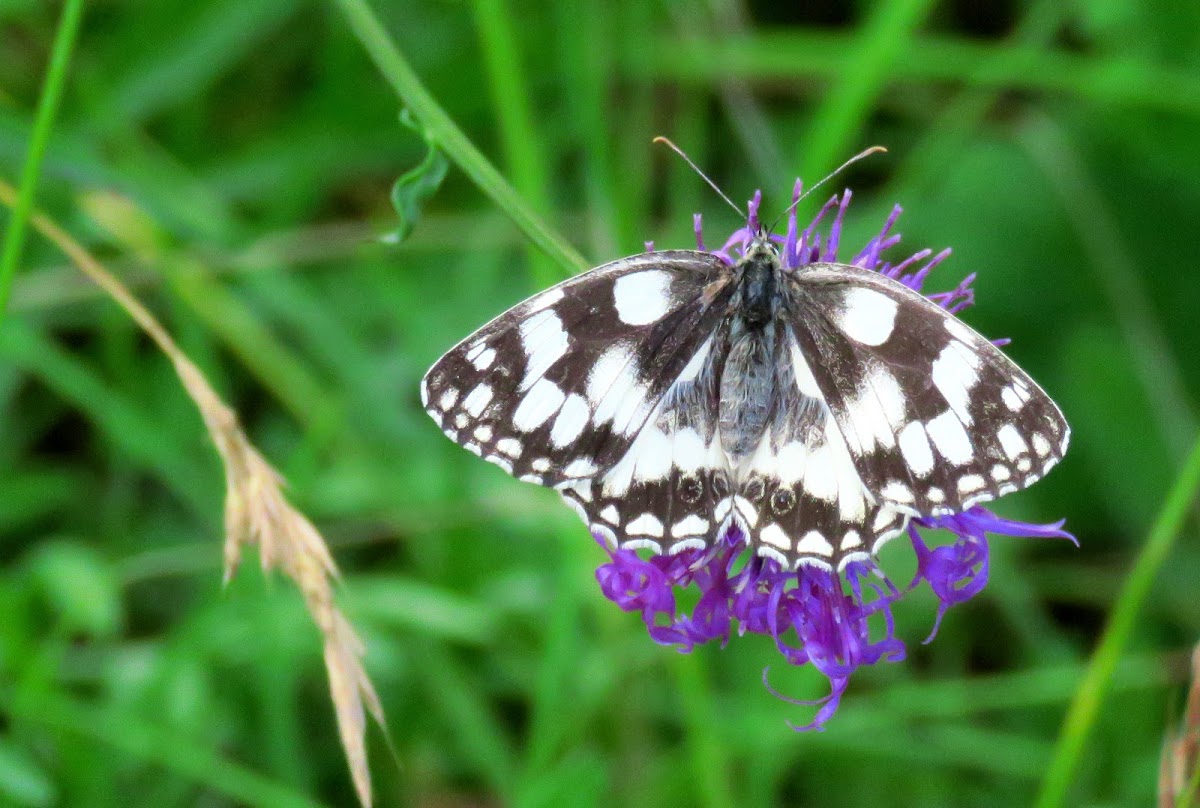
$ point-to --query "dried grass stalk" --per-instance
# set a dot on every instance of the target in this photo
(257, 513)
(1179, 774)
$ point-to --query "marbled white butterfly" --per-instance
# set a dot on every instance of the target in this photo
(671, 396)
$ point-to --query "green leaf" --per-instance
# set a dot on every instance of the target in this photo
(418, 184)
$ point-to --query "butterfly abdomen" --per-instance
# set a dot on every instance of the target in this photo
(747, 390)
(748, 379)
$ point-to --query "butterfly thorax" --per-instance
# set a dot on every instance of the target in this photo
(758, 276)
(748, 379)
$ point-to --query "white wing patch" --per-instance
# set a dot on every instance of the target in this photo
(955, 373)
(914, 446)
(539, 403)
(573, 417)
(545, 342)
(617, 395)
(867, 317)
(950, 438)
(642, 297)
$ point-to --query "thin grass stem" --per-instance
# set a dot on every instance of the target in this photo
(1084, 709)
(850, 100)
(523, 145)
(52, 88)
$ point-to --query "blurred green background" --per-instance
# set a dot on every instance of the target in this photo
(249, 148)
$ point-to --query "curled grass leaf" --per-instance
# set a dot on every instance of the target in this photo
(417, 185)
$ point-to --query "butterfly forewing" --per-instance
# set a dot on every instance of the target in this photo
(935, 417)
(556, 389)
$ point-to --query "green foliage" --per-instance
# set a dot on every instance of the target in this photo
(1053, 147)
(415, 186)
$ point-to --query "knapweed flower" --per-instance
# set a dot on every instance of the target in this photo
(835, 619)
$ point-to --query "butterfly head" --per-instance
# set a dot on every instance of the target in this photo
(761, 256)
(761, 247)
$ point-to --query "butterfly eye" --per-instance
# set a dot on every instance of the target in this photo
(691, 489)
(782, 500)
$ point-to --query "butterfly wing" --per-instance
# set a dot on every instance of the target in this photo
(801, 498)
(935, 417)
(560, 389)
(664, 490)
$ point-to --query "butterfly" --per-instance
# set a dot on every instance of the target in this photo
(671, 397)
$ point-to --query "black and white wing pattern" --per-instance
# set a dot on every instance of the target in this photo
(935, 417)
(599, 387)
(671, 398)
(802, 497)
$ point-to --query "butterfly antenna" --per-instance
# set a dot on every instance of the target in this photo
(666, 142)
(826, 178)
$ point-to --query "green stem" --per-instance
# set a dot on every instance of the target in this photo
(519, 138)
(883, 40)
(56, 79)
(450, 138)
(1085, 706)
(586, 61)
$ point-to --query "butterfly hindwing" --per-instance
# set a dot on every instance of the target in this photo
(663, 491)
(802, 499)
(935, 417)
(557, 388)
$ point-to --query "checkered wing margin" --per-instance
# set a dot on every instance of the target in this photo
(599, 387)
(933, 415)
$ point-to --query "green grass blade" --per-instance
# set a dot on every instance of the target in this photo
(586, 64)
(56, 79)
(454, 142)
(1085, 706)
(842, 114)
(523, 147)
(156, 745)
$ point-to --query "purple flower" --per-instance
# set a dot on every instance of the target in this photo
(836, 621)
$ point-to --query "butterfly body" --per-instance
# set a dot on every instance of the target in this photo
(748, 373)
(671, 397)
